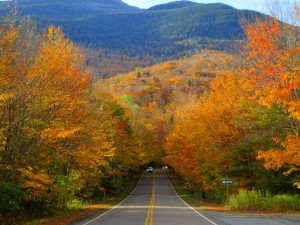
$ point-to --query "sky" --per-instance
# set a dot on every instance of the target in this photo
(257, 5)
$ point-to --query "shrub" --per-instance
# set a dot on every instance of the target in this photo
(285, 202)
(255, 200)
(11, 197)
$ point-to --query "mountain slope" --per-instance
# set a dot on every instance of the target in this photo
(173, 5)
(68, 9)
(162, 82)
(160, 32)
(116, 26)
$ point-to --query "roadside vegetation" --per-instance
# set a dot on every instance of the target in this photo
(244, 201)
(77, 210)
(61, 141)
(256, 200)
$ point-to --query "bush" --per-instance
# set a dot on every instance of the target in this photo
(255, 200)
(285, 202)
(11, 197)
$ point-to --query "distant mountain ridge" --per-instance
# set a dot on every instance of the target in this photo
(69, 9)
(165, 30)
(101, 5)
(173, 5)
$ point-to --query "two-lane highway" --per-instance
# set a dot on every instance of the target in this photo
(153, 201)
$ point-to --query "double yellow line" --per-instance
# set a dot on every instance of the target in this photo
(149, 219)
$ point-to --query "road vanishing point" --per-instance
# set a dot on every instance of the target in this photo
(155, 202)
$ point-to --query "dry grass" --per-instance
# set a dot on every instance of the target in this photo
(88, 210)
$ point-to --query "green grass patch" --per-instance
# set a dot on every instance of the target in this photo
(256, 200)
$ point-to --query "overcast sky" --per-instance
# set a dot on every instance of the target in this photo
(257, 5)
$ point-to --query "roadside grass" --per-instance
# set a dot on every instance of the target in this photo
(77, 210)
(71, 215)
(255, 200)
(244, 201)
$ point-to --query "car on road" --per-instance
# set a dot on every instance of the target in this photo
(149, 169)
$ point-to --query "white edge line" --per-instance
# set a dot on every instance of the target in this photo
(189, 205)
(103, 214)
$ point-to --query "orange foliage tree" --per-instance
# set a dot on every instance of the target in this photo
(46, 105)
(203, 133)
(58, 138)
(272, 76)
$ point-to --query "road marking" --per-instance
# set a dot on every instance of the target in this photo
(204, 217)
(103, 214)
(149, 219)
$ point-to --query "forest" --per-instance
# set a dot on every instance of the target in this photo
(65, 136)
(159, 31)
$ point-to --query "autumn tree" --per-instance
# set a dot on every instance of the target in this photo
(40, 119)
(58, 137)
(204, 132)
(272, 53)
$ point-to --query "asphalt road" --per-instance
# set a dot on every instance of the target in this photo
(154, 202)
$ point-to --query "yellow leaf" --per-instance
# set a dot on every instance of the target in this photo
(297, 184)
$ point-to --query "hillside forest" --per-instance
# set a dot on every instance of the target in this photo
(209, 116)
(113, 32)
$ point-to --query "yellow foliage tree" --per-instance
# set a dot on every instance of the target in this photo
(272, 53)
(204, 132)
(50, 120)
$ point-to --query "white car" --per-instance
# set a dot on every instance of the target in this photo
(149, 169)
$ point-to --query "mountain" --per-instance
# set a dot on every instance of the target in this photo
(161, 32)
(68, 9)
(161, 82)
(173, 5)
(168, 30)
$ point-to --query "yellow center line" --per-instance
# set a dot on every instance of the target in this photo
(149, 219)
